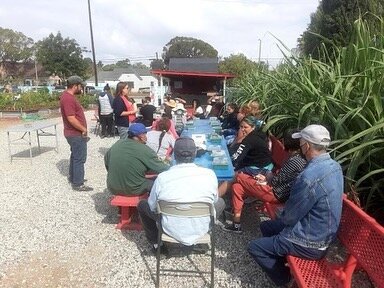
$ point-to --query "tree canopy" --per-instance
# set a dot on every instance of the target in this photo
(187, 47)
(61, 56)
(334, 20)
(157, 64)
(15, 46)
(238, 64)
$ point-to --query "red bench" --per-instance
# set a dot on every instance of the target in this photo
(128, 210)
(363, 239)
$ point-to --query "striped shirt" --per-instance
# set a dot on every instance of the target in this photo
(283, 181)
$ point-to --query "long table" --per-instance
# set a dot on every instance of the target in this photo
(39, 127)
(202, 126)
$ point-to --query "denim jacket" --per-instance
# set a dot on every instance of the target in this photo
(313, 210)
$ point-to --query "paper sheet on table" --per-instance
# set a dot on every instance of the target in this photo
(200, 140)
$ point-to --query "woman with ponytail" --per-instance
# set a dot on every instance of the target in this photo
(161, 140)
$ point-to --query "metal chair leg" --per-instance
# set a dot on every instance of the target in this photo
(157, 284)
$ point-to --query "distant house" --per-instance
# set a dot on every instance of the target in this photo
(192, 78)
(137, 79)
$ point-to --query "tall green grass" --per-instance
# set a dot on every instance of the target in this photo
(345, 95)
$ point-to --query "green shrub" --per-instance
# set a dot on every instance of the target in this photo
(345, 95)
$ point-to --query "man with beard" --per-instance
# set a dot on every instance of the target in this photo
(75, 131)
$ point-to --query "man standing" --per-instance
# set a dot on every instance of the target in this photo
(184, 182)
(105, 110)
(311, 215)
(75, 131)
(127, 162)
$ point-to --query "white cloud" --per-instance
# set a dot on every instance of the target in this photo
(135, 29)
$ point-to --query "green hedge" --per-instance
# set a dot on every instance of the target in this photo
(35, 100)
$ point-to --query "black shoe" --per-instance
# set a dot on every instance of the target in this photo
(69, 180)
(82, 188)
(200, 249)
(234, 228)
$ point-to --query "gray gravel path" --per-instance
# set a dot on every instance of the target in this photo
(52, 236)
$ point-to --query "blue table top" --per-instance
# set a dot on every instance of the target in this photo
(202, 126)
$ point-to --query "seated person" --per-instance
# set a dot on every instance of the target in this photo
(168, 106)
(230, 124)
(311, 216)
(183, 182)
(127, 162)
(215, 109)
(268, 188)
(245, 110)
(254, 108)
(198, 110)
(252, 155)
(161, 140)
(147, 111)
(172, 129)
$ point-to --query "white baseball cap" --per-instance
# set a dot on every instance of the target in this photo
(316, 134)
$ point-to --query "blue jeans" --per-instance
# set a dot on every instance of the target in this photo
(123, 132)
(77, 160)
(270, 252)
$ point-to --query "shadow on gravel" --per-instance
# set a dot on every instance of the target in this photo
(232, 255)
(102, 206)
(103, 150)
(177, 257)
(35, 152)
(63, 167)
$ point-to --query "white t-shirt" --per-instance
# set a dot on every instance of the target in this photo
(153, 142)
(185, 183)
(199, 110)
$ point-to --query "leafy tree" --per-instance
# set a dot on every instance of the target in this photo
(187, 47)
(100, 64)
(61, 56)
(89, 63)
(157, 64)
(123, 63)
(238, 65)
(139, 65)
(15, 46)
(333, 21)
(109, 67)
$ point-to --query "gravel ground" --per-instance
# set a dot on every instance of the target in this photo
(52, 236)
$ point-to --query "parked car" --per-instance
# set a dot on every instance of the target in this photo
(14, 89)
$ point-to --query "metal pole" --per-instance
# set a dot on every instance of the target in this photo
(259, 50)
(92, 43)
(37, 77)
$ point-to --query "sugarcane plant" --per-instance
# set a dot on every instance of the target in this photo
(344, 93)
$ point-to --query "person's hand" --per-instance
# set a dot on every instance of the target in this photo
(84, 134)
(260, 178)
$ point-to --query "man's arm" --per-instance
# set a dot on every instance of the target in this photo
(152, 161)
(76, 124)
(153, 196)
(240, 154)
(106, 159)
(299, 203)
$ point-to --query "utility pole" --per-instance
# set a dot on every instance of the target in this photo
(93, 44)
(259, 49)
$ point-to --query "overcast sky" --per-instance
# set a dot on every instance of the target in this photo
(137, 29)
